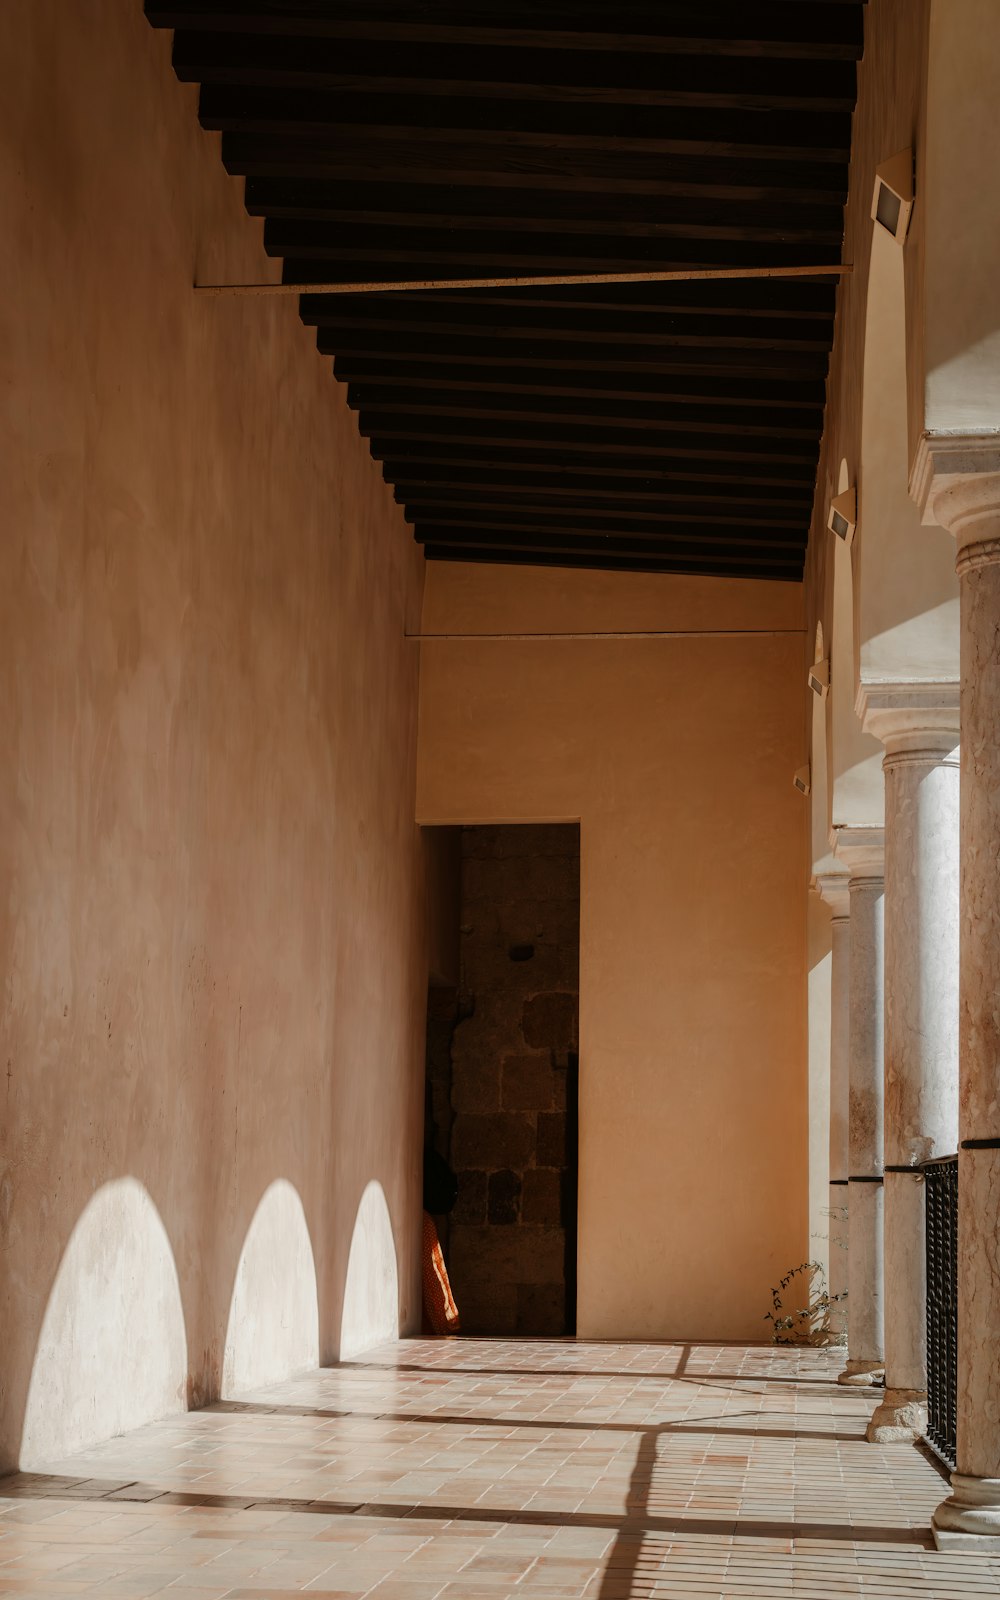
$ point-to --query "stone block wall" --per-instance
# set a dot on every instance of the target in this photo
(513, 1054)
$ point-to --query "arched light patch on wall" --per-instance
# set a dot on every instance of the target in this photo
(273, 1328)
(371, 1290)
(112, 1352)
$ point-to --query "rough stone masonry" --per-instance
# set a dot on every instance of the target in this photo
(512, 1052)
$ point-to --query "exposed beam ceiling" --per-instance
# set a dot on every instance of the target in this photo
(658, 426)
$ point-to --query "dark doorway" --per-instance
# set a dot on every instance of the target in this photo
(513, 1080)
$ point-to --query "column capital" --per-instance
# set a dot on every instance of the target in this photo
(862, 850)
(955, 481)
(833, 890)
(912, 720)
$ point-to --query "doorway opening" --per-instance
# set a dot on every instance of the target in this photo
(502, 1080)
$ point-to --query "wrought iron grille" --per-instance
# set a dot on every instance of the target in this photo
(942, 1305)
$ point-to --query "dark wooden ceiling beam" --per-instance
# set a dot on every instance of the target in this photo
(641, 538)
(382, 66)
(456, 462)
(813, 138)
(627, 396)
(424, 250)
(773, 299)
(385, 383)
(396, 259)
(722, 565)
(510, 157)
(413, 480)
(548, 535)
(419, 314)
(632, 509)
(788, 30)
(479, 167)
(622, 410)
(768, 471)
(781, 511)
(653, 427)
(787, 366)
(369, 208)
(595, 434)
(556, 244)
(605, 520)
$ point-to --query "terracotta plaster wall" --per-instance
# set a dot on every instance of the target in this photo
(212, 919)
(676, 756)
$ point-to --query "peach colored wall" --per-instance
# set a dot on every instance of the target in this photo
(676, 754)
(212, 924)
(889, 117)
(960, 366)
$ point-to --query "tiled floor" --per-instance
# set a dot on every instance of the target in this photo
(480, 1469)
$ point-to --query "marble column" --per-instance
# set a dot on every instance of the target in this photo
(833, 889)
(860, 849)
(918, 725)
(956, 480)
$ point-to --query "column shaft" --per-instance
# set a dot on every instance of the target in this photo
(979, 1157)
(921, 1021)
(864, 1303)
(956, 479)
(840, 1022)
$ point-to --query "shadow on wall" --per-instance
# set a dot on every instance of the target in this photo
(112, 1352)
(371, 1291)
(273, 1328)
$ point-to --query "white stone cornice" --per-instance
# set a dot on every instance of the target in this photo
(955, 480)
(834, 891)
(911, 718)
(862, 850)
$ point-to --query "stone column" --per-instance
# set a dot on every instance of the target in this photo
(956, 481)
(918, 724)
(834, 891)
(860, 849)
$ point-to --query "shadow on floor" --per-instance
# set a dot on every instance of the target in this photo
(547, 1425)
(636, 1521)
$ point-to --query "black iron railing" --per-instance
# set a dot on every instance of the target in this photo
(942, 1305)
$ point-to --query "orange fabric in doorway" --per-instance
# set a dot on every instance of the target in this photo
(440, 1310)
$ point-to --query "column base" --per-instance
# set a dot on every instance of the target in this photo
(970, 1517)
(862, 1374)
(901, 1418)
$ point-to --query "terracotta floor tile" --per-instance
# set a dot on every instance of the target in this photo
(487, 1469)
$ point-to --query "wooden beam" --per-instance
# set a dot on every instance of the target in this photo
(611, 434)
(379, 66)
(724, 566)
(614, 523)
(795, 302)
(474, 320)
(412, 479)
(537, 126)
(415, 466)
(423, 173)
(683, 275)
(697, 544)
(787, 29)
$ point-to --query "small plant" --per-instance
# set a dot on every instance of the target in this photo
(808, 1324)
